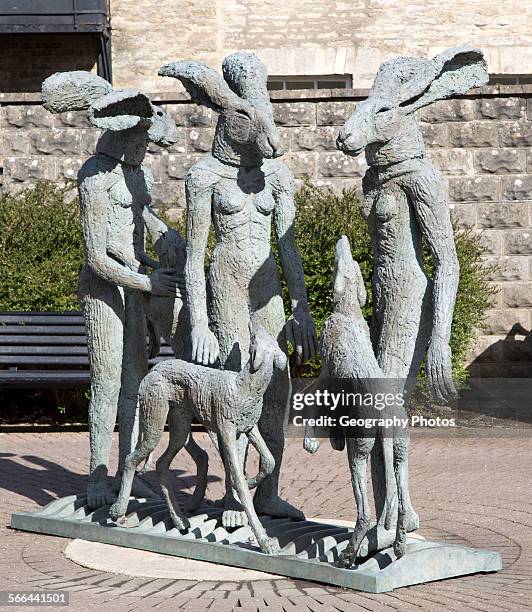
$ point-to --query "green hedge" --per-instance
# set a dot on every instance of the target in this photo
(41, 254)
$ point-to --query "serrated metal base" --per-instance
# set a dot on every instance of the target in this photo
(309, 549)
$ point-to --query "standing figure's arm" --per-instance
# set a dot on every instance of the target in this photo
(199, 194)
(429, 198)
(300, 328)
(94, 200)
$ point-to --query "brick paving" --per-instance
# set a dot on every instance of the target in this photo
(470, 490)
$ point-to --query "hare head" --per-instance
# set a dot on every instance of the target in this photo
(262, 347)
(402, 86)
(128, 117)
(246, 132)
(347, 279)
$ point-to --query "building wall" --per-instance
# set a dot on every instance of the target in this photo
(312, 37)
(482, 142)
(26, 60)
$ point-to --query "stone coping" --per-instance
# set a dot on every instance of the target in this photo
(307, 95)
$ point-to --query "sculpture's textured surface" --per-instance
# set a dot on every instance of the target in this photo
(348, 354)
(242, 188)
(406, 202)
(114, 190)
(227, 403)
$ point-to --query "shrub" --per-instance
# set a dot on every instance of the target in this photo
(40, 249)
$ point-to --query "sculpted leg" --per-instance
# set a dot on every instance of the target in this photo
(103, 310)
(135, 367)
(273, 422)
(358, 450)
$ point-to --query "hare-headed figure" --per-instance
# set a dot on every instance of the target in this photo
(405, 201)
(243, 189)
(114, 284)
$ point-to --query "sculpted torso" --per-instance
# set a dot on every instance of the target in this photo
(128, 193)
(242, 203)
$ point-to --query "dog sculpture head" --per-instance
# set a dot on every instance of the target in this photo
(402, 86)
(241, 99)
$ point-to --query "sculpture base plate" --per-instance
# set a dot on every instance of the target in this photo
(309, 549)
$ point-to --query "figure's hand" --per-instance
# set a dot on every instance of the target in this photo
(301, 332)
(205, 348)
(164, 283)
(438, 370)
(170, 248)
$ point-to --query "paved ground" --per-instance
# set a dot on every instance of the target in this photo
(471, 490)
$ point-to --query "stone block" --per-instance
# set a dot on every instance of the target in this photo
(501, 161)
(294, 113)
(500, 321)
(517, 295)
(334, 113)
(56, 141)
(337, 164)
(464, 214)
(504, 269)
(519, 242)
(88, 141)
(68, 167)
(302, 165)
(448, 110)
(28, 169)
(515, 134)
(491, 241)
(473, 134)
(314, 138)
(452, 161)
(191, 115)
(169, 193)
(435, 134)
(505, 215)
(77, 119)
(16, 143)
(199, 140)
(517, 187)
(30, 116)
(501, 108)
(286, 138)
(154, 165)
(485, 348)
(177, 166)
(477, 189)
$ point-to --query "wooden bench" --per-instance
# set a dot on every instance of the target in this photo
(46, 349)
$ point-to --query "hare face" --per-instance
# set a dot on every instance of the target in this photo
(254, 127)
(162, 130)
(371, 123)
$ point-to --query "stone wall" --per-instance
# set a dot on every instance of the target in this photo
(482, 142)
(313, 37)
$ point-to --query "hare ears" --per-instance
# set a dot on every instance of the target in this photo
(107, 108)
(347, 270)
(412, 83)
(244, 80)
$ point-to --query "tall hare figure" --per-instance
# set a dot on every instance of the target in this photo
(114, 285)
(243, 188)
(405, 202)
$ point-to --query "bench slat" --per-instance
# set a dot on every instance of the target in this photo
(42, 329)
(33, 340)
(36, 378)
(41, 360)
(43, 350)
(34, 319)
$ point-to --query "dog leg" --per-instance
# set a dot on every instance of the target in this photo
(201, 459)
(267, 462)
(179, 426)
(228, 439)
